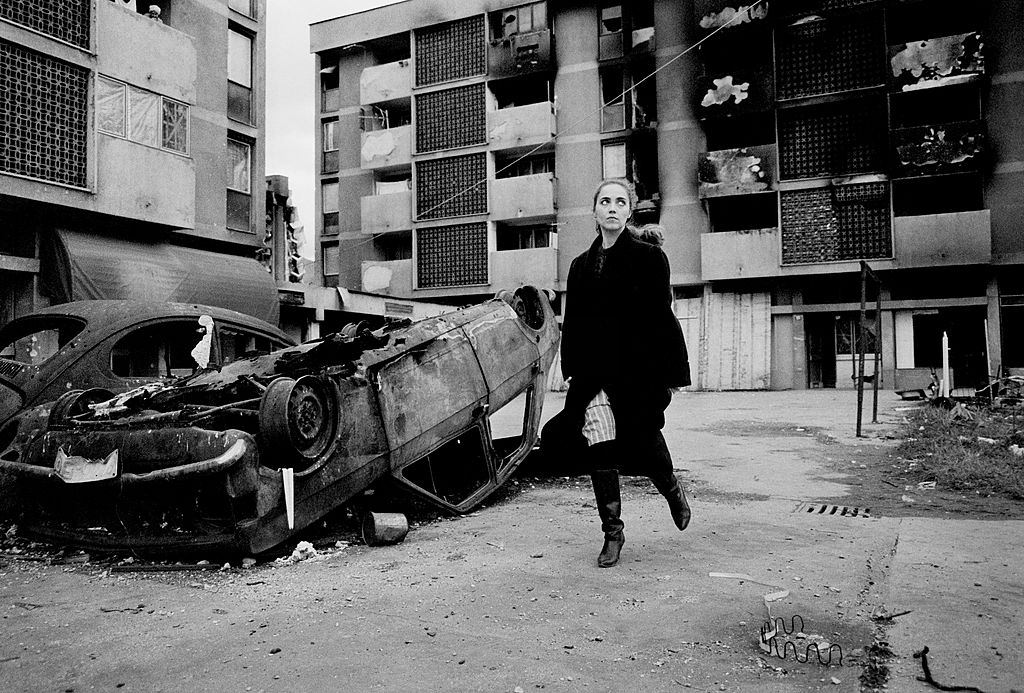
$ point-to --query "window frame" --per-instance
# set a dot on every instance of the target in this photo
(248, 149)
(126, 105)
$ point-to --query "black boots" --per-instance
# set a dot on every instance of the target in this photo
(609, 505)
(668, 486)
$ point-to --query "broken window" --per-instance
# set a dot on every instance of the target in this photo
(641, 16)
(930, 106)
(643, 96)
(236, 344)
(508, 427)
(394, 115)
(520, 91)
(613, 99)
(33, 342)
(511, 166)
(518, 20)
(329, 207)
(610, 31)
(937, 195)
(157, 351)
(453, 472)
(394, 246)
(510, 237)
(746, 130)
(330, 99)
(743, 212)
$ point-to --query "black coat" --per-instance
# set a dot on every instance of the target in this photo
(619, 334)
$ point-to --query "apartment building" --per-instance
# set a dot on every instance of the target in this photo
(132, 162)
(779, 143)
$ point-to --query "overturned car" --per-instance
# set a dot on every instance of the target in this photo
(241, 457)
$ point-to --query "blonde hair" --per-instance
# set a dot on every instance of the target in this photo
(649, 233)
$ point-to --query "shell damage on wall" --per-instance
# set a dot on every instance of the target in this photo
(938, 62)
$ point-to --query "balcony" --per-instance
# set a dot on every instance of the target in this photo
(940, 148)
(739, 254)
(523, 197)
(386, 148)
(511, 269)
(385, 82)
(393, 277)
(521, 126)
(737, 171)
(386, 213)
(519, 54)
(936, 62)
(936, 240)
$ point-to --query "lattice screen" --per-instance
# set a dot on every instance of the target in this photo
(451, 51)
(451, 187)
(451, 118)
(67, 20)
(452, 255)
(43, 116)
(828, 56)
(846, 222)
(807, 6)
(832, 139)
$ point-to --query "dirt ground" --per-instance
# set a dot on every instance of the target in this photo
(509, 597)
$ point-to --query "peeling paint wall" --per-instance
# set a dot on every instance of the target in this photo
(734, 16)
(725, 90)
(938, 61)
(731, 172)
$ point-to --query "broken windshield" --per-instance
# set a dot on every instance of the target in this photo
(33, 341)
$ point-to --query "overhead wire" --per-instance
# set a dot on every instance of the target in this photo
(743, 10)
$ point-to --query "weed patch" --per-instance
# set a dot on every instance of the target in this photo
(966, 449)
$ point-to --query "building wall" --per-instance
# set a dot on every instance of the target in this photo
(775, 231)
(137, 183)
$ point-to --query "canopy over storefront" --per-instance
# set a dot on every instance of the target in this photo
(83, 266)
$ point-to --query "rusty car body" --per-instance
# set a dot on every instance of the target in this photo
(241, 457)
(115, 345)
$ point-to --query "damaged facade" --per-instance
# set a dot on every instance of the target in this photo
(800, 139)
(131, 142)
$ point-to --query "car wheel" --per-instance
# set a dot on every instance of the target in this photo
(298, 420)
(75, 402)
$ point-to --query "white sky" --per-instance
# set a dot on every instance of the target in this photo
(290, 96)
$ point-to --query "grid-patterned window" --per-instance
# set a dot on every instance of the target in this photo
(832, 139)
(67, 20)
(451, 118)
(43, 116)
(451, 255)
(846, 222)
(452, 187)
(451, 51)
(828, 56)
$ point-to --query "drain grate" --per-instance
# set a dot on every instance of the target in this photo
(837, 510)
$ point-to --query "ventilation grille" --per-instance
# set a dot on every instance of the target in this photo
(833, 139)
(9, 369)
(452, 187)
(451, 118)
(67, 20)
(451, 51)
(43, 116)
(828, 56)
(451, 255)
(841, 223)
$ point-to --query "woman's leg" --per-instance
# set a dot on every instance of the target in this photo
(664, 478)
(605, 478)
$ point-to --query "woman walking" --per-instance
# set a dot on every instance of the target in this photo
(622, 349)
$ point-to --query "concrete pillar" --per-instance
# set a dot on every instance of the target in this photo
(995, 332)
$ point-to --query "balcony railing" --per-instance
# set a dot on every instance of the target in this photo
(739, 254)
(393, 277)
(521, 126)
(386, 148)
(386, 82)
(511, 269)
(386, 213)
(523, 197)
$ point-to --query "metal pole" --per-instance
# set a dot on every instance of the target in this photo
(878, 350)
(860, 344)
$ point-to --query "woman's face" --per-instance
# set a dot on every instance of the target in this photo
(612, 207)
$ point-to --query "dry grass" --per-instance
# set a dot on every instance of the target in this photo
(951, 448)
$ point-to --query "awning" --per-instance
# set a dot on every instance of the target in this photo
(82, 266)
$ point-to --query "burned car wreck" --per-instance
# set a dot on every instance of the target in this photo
(242, 457)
